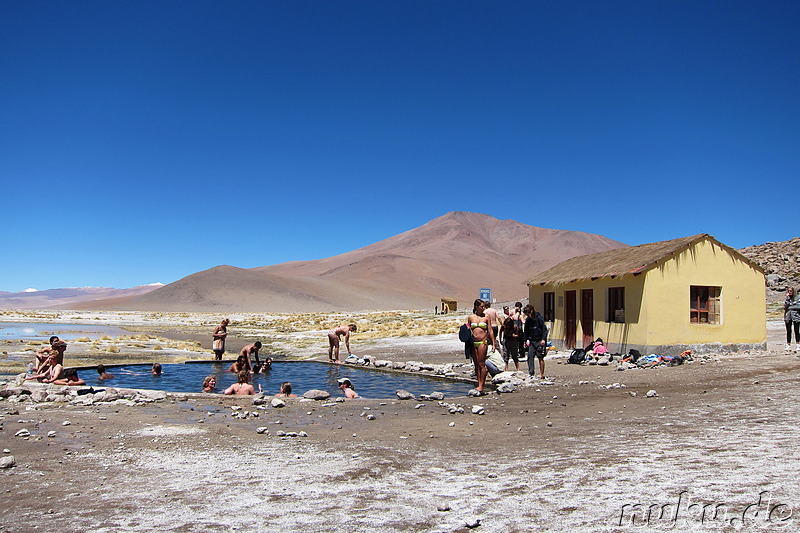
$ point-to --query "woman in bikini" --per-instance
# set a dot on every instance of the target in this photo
(333, 339)
(484, 337)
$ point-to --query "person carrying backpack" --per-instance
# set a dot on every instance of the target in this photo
(535, 339)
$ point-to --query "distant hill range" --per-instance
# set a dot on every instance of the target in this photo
(451, 256)
(67, 298)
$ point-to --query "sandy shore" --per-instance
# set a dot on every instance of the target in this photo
(582, 454)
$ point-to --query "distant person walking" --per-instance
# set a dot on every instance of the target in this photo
(334, 338)
(791, 317)
(218, 344)
(483, 337)
(535, 339)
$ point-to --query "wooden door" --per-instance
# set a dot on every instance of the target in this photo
(570, 318)
(587, 315)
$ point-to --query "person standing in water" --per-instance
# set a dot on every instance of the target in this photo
(218, 344)
(334, 338)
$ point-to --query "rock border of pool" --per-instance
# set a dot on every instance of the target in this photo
(19, 390)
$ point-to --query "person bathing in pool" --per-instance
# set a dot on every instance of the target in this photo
(243, 387)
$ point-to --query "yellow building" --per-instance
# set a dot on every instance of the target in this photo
(664, 297)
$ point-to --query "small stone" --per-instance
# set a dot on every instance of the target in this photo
(549, 424)
(302, 434)
(651, 394)
(452, 424)
(7, 461)
(478, 410)
(51, 434)
(443, 507)
(66, 423)
(419, 405)
(263, 430)
(22, 433)
(472, 522)
(370, 417)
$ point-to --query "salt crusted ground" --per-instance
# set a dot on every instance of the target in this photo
(572, 456)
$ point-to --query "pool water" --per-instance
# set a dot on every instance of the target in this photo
(304, 375)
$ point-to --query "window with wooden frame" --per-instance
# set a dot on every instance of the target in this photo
(616, 304)
(704, 305)
(549, 306)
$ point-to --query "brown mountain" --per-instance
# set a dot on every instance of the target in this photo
(454, 256)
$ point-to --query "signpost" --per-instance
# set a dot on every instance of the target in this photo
(486, 295)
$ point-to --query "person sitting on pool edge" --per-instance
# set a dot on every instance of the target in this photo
(286, 391)
(346, 386)
(70, 378)
(49, 371)
(102, 374)
(210, 384)
(243, 387)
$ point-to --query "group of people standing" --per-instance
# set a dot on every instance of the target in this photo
(514, 334)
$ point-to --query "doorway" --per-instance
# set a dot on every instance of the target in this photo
(587, 315)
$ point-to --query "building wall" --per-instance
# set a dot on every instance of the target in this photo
(657, 305)
(666, 298)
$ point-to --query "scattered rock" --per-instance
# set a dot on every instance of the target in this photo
(316, 394)
(7, 461)
(22, 433)
(478, 410)
(651, 394)
(277, 403)
(263, 430)
(472, 522)
(403, 394)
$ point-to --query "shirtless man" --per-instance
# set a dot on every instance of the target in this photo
(49, 371)
(57, 347)
(333, 338)
(493, 319)
(249, 351)
(243, 387)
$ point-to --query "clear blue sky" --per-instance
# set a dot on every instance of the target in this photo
(143, 141)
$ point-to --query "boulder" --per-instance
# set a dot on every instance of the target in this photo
(316, 394)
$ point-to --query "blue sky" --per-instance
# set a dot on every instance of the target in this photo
(144, 141)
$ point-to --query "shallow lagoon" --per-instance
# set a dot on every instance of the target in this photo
(66, 332)
(304, 375)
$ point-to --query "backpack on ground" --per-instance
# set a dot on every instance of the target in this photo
(634, 354)
(577, 356)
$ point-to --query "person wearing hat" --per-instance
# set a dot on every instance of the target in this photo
(346, 386)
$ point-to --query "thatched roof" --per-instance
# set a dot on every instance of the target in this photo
(633, 260)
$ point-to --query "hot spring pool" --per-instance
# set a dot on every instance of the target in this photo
(304, 375)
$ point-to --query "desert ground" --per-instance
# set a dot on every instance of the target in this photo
(587, 450)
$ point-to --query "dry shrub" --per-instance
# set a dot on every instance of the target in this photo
(83, 339)
(113, 348)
